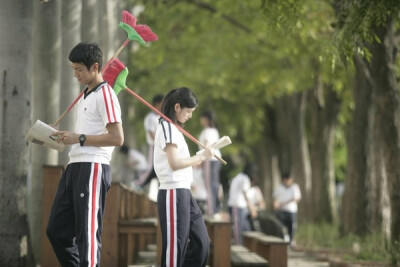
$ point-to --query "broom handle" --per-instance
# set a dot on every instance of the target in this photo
(68, 109)
(170, 121)
(81, 93)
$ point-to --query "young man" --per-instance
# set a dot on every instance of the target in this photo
(150, 126)
(286, 197)
(75, 222)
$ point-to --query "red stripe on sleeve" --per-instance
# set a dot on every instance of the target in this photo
(112, 103)
(106, 103)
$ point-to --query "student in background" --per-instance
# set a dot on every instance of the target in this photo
(150, 126)
(135, 164)
(239, 205)
(211, 168)
(256, 199)
(286, 197)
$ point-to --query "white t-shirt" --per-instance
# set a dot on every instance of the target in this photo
(94, 111)
(209, 136)
(167, 133)
(199, 191)
(283, 194)
(254, 195)
(240, 183)
(150, 125)
(137, 159)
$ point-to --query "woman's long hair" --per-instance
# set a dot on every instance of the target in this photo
(182, 96)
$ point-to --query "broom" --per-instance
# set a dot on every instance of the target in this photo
(141, 33)
(116, 74)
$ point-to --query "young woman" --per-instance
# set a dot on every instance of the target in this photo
(185, 239)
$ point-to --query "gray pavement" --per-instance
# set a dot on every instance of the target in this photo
(301, 259)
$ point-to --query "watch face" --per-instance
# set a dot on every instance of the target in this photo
(82, 139)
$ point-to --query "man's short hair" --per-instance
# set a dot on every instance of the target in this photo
(158, 99)
(86, 54)
(286, 176)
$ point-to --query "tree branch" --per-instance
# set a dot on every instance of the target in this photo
(213, 10)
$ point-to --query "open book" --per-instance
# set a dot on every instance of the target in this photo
(39, 134)
(223, 141)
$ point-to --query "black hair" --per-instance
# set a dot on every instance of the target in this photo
(286, 176)
(211, 117)
(250, 169)
(124, 149)
(157, 99)
(182, 96)
(86, 54)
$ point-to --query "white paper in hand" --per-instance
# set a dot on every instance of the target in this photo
(40, 133)
(222, 142)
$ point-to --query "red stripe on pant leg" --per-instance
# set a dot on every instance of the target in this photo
(172, 233)
(92, 234)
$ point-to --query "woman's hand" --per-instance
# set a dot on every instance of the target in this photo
(208, 153)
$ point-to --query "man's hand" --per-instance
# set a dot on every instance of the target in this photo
(67, 138)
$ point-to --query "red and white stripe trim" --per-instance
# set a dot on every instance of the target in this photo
(109, 102)
(172, 242)
(93, 208)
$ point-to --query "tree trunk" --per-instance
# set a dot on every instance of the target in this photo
(355, 202)
(324, 109)
(16, 81)
(45, 102)
(386, 103)
(70, 88)
(293, 147)
(109, 27)
(283, 131)
(300, 155)
(267, 153)
(377, 185)
(90, 21)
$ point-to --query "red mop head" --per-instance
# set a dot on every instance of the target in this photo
(115, 74)
(128, 18)
(143, 30)
(146, 33)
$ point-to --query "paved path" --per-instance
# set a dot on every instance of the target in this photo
(295, 259)
(301, 259)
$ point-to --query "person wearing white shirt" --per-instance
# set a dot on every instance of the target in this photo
(76, 217)
(286, 197)
(210, 168)
(257, 202)
(150, 127)
(185, 240)
(238, 202)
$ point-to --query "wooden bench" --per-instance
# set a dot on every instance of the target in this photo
(130, 224)
(219, 228)
(248, 259)
(271, 248)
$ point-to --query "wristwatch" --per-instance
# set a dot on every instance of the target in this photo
(82, 139)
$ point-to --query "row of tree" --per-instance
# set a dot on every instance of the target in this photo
(303, 86)
(307, 87)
